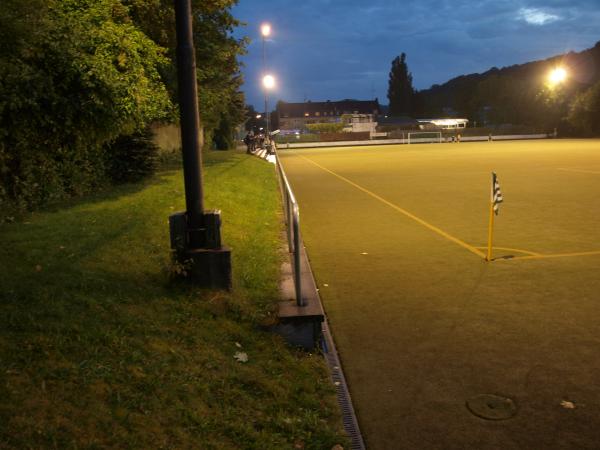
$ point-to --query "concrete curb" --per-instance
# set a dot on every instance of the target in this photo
(306, 327)
(262, 154)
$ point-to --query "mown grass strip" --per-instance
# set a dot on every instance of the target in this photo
(98, 348)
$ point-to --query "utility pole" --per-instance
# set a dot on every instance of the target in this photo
(195, 233)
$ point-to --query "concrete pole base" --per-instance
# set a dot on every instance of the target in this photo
(209, 267)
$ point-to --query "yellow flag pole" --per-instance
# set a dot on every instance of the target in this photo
(490, 232)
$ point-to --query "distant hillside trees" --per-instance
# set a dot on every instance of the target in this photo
(400, 88)
(584, 114)
(521, 95)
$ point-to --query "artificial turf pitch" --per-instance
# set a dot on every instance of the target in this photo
(396, 237)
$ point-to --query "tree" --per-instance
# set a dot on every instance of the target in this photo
(253, 122)
(326, 127)
(400, 88)
(75, 76)
(219, 78)
(584, 113)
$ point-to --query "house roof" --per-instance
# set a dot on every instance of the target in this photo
(331, 108)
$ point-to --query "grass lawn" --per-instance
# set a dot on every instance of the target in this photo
(98, 349)
(396, 236)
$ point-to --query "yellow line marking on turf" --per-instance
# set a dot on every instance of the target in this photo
(527, 252)
(403, 211)
(558, 255)
(594, 172)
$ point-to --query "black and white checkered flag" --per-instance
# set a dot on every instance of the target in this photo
(496, 193)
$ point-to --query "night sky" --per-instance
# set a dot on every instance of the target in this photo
(333, 49)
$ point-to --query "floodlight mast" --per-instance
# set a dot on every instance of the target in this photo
(557, 76)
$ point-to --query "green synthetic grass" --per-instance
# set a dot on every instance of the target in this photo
(98, 349)
(423, 324)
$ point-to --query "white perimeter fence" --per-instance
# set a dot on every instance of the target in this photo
(506, 137)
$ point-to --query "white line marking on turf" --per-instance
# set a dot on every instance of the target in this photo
(400, 210)
(594, 172)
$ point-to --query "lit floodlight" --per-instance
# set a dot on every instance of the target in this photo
(268, 81)
(557, 76)
(258, 116)
(265, 29)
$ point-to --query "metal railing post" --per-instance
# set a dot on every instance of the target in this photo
(297, 272)
(292, 218)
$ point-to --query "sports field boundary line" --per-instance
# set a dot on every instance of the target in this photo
(554, 255)
(417, 219)
(593, 172)
(518, 250)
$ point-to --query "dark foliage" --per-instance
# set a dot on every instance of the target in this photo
(400, 88)
(518, 95)
(75, 75)
(131, 158)
(584, 115)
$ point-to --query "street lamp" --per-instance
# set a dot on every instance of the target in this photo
(265, 31)
(195, 233)
(556, 95)
(268, 84)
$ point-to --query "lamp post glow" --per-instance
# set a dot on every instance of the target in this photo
(557, 75)
(268, 82)
(265, 29)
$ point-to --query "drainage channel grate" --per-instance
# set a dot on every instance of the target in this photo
(343, 395)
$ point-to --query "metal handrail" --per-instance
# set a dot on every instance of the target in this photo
(292, 220)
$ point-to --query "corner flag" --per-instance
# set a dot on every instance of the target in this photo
(495, 200)
(496, 193)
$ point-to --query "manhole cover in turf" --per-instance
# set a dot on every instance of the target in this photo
(492, 407)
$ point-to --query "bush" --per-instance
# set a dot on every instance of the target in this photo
(223, 137)
(77, 78)
(131, 158)
(584, 114)
(327, 127)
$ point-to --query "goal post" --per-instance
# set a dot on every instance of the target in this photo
(424, 136)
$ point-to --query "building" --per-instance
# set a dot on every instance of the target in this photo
(444, 124)
(359, 123)
(295, 116)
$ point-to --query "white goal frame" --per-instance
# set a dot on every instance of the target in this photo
(431, 136)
